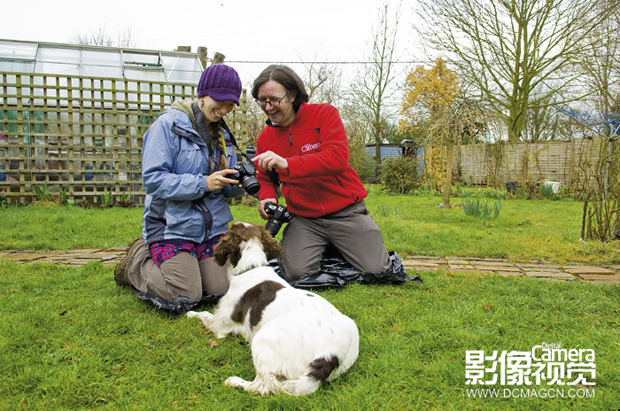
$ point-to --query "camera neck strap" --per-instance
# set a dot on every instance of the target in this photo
(206, 136)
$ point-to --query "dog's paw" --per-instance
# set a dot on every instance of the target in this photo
(205, 316)
(191, 314)
(235, 382)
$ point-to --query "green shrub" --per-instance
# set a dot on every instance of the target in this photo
(400, 175)
(106, 199)
(547, 191)
(43, 192)
(62, 193)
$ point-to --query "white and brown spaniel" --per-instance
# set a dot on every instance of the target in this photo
(298, 338)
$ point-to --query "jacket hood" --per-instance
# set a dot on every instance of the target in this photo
(186, 107)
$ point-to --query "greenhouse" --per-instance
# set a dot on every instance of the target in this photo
(68, 110)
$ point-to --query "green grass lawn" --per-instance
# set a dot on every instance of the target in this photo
(525, 230)
(70, 338)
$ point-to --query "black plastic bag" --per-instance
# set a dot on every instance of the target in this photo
(335, 271)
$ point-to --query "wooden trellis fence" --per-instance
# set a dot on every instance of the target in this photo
(82, 134)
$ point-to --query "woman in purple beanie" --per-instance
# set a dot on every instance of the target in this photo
(187, 154)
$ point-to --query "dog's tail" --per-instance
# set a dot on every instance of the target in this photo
(317, 372)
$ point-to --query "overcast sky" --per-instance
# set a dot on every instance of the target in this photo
(242, 30)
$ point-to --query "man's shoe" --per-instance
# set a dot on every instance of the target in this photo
(121, 267)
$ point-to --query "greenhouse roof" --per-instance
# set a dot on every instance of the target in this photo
(98, 61)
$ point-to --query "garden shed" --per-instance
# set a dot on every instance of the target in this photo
(68, 111)
(405, 148)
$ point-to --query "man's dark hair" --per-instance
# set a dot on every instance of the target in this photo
(285, 76)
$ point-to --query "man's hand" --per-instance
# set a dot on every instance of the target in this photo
(270, 161)
(261, 207)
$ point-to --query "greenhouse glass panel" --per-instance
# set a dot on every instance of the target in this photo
(148, 75)
(12, 50)
(17, 66)
(141, 59)
(183, 77)
(102, 71)
(58, 55)
(101, 58)
(57, 68)
(182, 69)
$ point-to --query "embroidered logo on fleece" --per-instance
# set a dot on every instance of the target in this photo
(309, 147)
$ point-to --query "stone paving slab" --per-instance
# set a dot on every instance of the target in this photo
(508, 273)
(538, 267)
(77, 262)
(464, 270)
(121, 249)
(4, 254)
(438, 262)
(600, 277)
(424, 268)
(82, 251)
(98, 256)
(550, 275)
(498, 268)
(54, 259)
(588, 270)
(493, 263)
(456, 267)
(421, 262)
(23, 257)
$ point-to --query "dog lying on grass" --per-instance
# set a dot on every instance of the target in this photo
(298, 338)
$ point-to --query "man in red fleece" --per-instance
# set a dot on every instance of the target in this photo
(306, 147)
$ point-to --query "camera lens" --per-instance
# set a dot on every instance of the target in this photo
(251, 184)
(273, 227)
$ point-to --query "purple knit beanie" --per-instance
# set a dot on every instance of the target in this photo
(221, 83)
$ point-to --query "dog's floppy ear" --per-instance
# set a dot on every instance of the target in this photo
(228, 245)
(270, 245)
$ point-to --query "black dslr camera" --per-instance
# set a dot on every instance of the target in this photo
(279, 215)
(246, 174)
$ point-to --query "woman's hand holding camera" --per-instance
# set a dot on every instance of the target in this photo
(218, 180)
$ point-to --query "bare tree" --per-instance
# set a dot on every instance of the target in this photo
(356, 135)
(374, 86)
(101, 36)
(255, 121)
(508, 48)
(463, 119)
(546, 123)
(323, 83)
(600, 60)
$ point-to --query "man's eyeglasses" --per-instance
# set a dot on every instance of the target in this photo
(274, 103)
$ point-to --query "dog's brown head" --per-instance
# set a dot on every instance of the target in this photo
(239, 233)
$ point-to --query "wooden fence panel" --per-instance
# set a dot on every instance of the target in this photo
(566, 162)
(82, 134)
